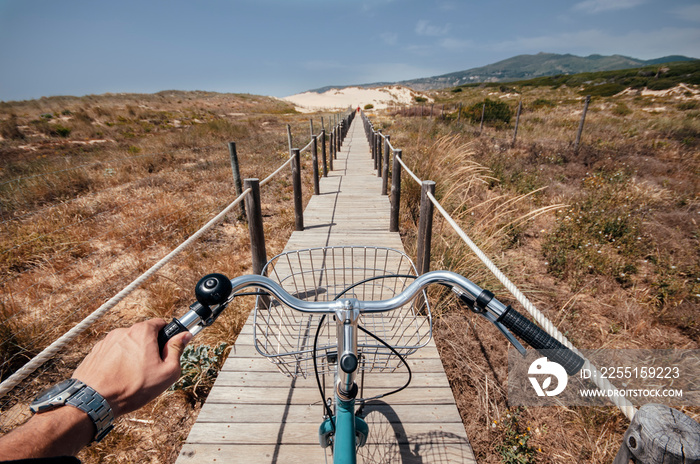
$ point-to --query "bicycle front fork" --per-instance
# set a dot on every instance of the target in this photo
(350, 432)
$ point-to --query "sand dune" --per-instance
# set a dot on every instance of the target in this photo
(380, 97)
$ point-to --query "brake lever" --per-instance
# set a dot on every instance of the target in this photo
(469, 302)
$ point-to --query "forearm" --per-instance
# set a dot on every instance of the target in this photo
(61, 432)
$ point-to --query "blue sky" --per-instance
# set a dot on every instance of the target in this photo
(278, 47)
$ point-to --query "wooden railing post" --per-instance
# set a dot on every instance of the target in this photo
(483, 113)
(323, 152)
(296, 183)
(236, 173)
(385, 163)
(255, 225)
(331, 146)
(373, 147)
(314, 160)
(395, 193)
(517, 122)
(425, 227)
(580, 125)
(378, 164)
(660, 435)
(338, 139)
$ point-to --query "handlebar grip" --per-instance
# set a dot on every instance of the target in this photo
(169, 331)
(541, 340)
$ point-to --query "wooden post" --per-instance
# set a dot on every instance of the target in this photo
(314, 160)
(311, 124)
(289, 138)
(385, 169)
(660, 434)
(583, 119)
(425, 227)
(378, 164)
(236, 173)
(255, 225)
(432, 105)
(483, 113)
(395, 193)
(323, 150)
(338, 139)
(296, 183)
(517, 122)
(331, 144)
(459, 112)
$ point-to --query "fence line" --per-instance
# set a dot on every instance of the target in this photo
(410, 173)
(50, 351)
(99, 264)
(622, 403)
(625, 406)
(269, 178)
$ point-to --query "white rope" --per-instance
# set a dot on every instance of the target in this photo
(307, 145)
(410, 173)
(625, 406)
(51, 350)
(269, 178)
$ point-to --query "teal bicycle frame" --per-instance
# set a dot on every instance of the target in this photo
(345, 431)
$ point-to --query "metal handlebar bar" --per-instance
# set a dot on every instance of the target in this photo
(214, 292)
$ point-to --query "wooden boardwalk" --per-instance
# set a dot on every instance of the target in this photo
(254, 414)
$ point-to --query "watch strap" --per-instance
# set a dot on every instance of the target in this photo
(94, 405)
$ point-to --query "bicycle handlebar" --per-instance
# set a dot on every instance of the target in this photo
(204, 312)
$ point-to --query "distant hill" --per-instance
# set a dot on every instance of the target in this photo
(526, 67)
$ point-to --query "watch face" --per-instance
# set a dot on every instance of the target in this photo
(51, 397)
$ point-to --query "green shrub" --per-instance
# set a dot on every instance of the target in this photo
(61, 131)
(496, 113)
(421, 99)
(603, 90)
(199, 366)
(457, 90)
(369, 106)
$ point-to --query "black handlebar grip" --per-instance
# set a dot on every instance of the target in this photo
(169, 331)
(541, 340)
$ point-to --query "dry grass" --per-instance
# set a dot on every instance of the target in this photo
(605, 241)
(85, 214)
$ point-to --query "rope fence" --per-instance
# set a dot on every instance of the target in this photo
(625, 406)
(56, 346)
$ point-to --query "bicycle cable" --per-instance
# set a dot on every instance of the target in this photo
(318, 331)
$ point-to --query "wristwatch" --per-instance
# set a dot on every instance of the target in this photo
(75, 393)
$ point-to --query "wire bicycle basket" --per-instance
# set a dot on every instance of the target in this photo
(286, 336)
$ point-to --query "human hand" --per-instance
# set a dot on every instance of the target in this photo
(126, 367)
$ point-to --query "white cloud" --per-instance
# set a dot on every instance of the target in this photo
(425, 28)
(599, 6)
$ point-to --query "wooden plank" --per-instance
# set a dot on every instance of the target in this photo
(309, 394)
(298, 413)
(303, 433)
